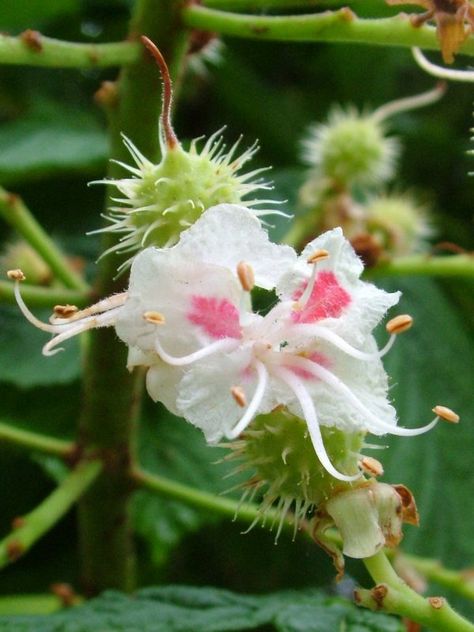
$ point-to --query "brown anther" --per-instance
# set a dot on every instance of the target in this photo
(446, 413)
(379, 593)
(399, 324)
(318, 255)
(18, 522)
(246, 276)
(32, 39)
(16, 275)
(238, 394)
(155, 318)
(436, 602)
(65, 593)
(64, 311)
(371, 466)
(15, 549)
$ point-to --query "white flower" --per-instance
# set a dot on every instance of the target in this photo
(218, 364)
(212, 360)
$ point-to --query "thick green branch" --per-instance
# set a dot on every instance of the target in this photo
(35, 441)
(112, 395)
(33, 49)
(33, 526)
(328, 26)
(392, 595)
(37, 296)
(259, 5)
(15, 213)
(451, 265)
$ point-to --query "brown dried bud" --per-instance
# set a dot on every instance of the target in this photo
(368, 249)
(32, 39)
(436, 602)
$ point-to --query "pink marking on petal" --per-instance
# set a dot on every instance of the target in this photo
(217, 316)
(328, 299)
(317, 358)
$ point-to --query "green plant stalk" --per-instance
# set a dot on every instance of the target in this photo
(29, 605)
(394, 596)
(111, 395)
(328, 26)
(54, 53)
(38, 296)
(39, 521)
(446, 266)
(258, 5)
(35, 441)
(15, 213)
(460, 582)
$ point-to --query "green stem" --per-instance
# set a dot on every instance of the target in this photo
(15, 213)
(448, 266)
(39, 521)
(111, 395)
(33, 49)
(35, 441)
(328, 26)
(245, 513)
(394, 596)
(37, 296)
(460, 582)
(259, 5)
(29, 604)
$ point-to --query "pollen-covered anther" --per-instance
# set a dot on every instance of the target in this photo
(446, 413)
(371, 466)
(399, 324)
(65, 311)
(318, 255)
(246, 276)
(238, 394)
(16, 275)
(155, 318)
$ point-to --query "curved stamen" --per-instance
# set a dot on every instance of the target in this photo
(101, 306)
(439, 71)
(68, 331)
(330, 379)
(254, 405)
(409, 103)
(311, 418)
(30, 317)
(330, 336)
(225, 344)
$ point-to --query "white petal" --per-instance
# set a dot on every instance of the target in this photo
(227, 234)
(205, 398)
(367, 381)
(162, 383)
(162, 281)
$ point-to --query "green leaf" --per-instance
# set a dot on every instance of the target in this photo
(21, 361)
(432, 364)
(173, 448)
(50, 140)
(188, 609)
(22, 15)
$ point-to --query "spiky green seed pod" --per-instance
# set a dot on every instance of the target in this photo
(283, 467)
(399, 224)
(351, 148)
(158, 201)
